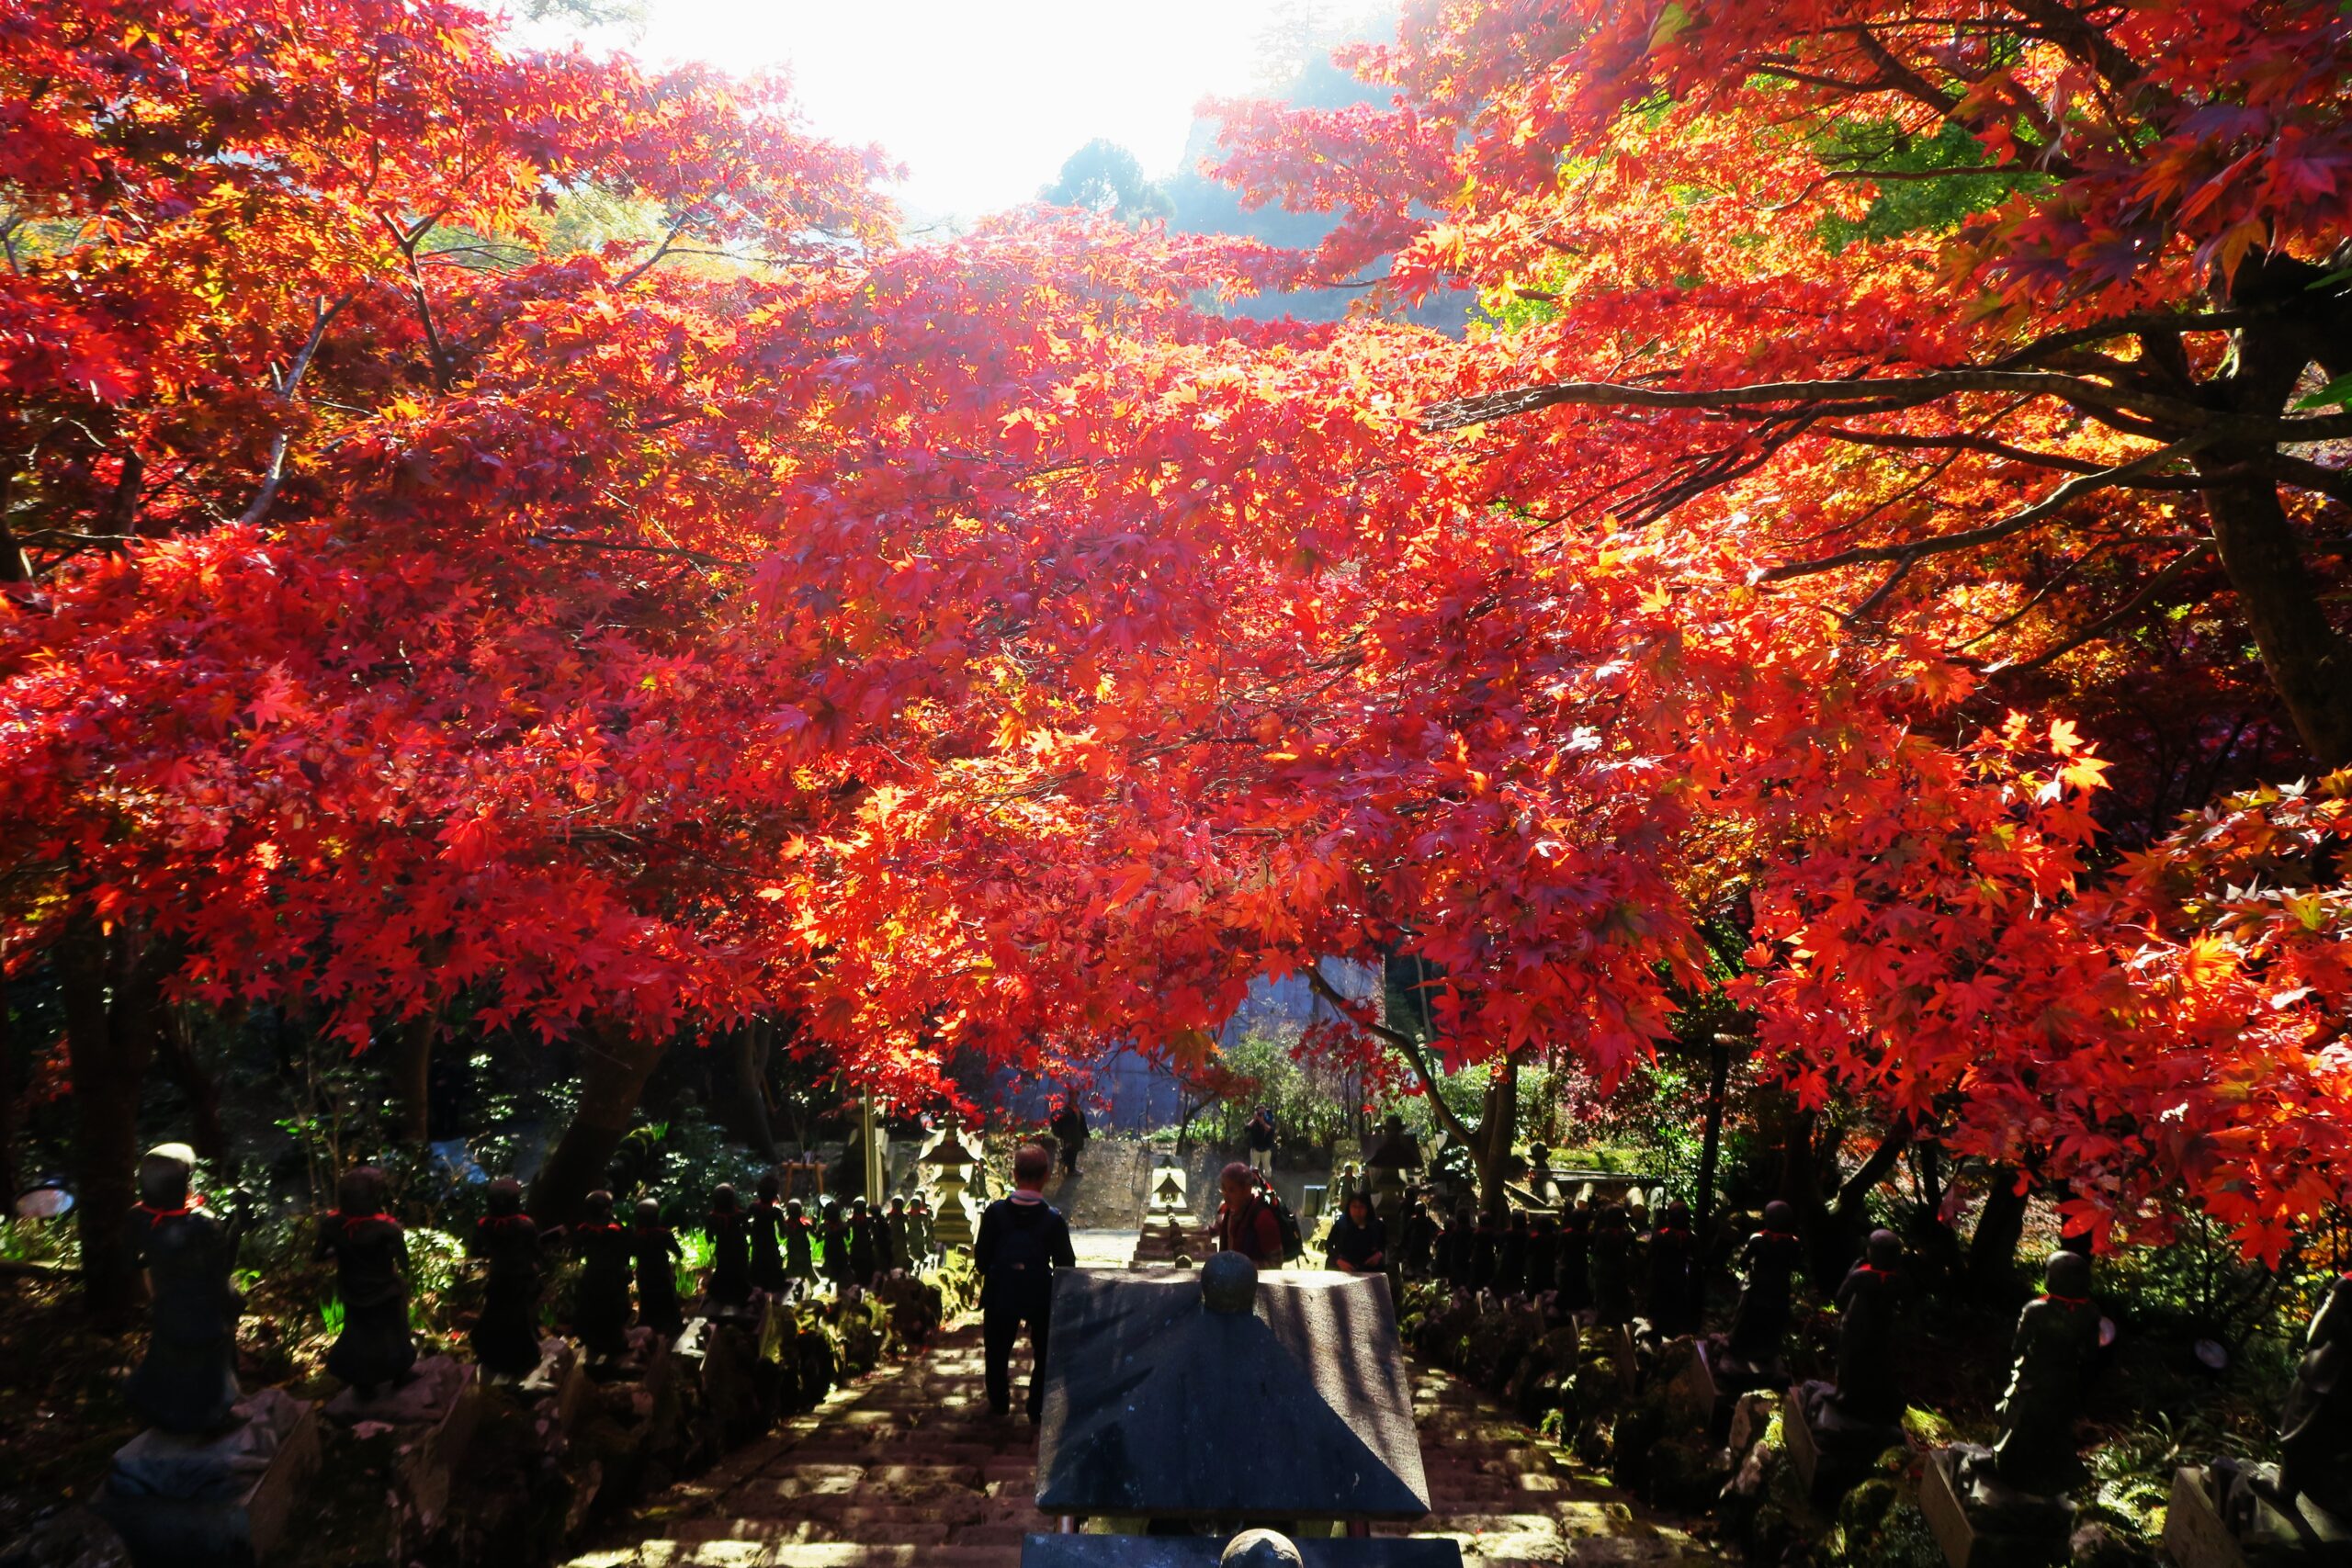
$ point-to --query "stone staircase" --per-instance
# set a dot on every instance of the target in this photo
(908, 1469)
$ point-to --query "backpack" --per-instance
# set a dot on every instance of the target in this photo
(1294, 1239)
(1025, 1246)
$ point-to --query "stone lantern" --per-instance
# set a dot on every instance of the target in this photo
(951, 1165)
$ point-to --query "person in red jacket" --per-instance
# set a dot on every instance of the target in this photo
(1245, 1221)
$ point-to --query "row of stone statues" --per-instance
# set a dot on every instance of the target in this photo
(186, 1381)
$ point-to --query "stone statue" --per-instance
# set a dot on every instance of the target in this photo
(1869, 1391)
(767, 1237)
(1574, 1272)
(1760, 1322)
(1670, 1257)
(1259, 1548)
(799, 1254)
(730, 1230)
(506, 1335)
(655, 1250)
(601, 1310)
(1612, 1267)
(1398, 1150)
(2055, 1335)
(187, 1382)
(2316, 1428)
(370, 1252)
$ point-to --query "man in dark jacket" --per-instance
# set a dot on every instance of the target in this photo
(1022, 1240)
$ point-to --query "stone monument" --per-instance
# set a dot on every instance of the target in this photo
(951, 1164)
(214, 1478)
(1837, 1430)
(2298, 1512)
(1749, 1357)
(507, 1335)
(1152, 1378)
(374, 1351)
(1250, 1548)
(186, 1383)
(656, 1252)
(601, 1310)
(728, 1286)
(2005, 1507)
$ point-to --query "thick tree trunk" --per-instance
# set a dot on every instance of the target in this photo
(407, 1066)
(11, 1181)
(113, 1001)
(1711, 1141)
(1836, 1241)
(2309, 663)
(742, 1091)
(615, 1067)
(1993, 1250)
(177, 1053)
(1498, 1124)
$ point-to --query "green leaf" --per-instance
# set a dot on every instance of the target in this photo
(2335, 394)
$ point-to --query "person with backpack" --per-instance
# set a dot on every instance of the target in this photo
(1023, 1240)
(1248, 1221)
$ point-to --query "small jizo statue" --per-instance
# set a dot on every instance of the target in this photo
(767, 1237)
(657, 1282)
(1869, 1390)
(2316, 1428)
(601, 1311)
(187, 1382)
(800, 1238)
(506, 1335)
(2055, 1335)
(1670, 1257)
(729, 1230)
(370, 1252)
(1612, 1265)
(1760, 1322)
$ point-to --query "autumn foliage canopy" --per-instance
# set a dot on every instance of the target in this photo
(1891, 478)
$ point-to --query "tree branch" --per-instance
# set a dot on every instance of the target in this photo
(2017, 522)
(1404, 1044)
(2122, 612)
(289, 391)
(700, 558)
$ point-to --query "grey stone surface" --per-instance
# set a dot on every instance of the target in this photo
(225, 1498)
(1207, 1551)
(1299, 1408)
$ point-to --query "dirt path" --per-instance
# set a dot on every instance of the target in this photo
(908, 1469)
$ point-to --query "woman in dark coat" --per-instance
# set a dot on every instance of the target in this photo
(767, 1238)
(656, 1251)
(729, 1230)
(602, 1313)
(370, 1252)
(187, 1382)
(506, 1335)
(1357, 1244)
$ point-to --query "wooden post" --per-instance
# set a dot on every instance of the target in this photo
(1718, 1079)
(873, 1149)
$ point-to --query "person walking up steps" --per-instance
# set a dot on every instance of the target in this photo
(1022, 1240)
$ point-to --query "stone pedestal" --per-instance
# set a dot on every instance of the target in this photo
(2204, 1528)
(430, 1419)
(191, 1501)
(1985, 1524)
(1724, 1378)
(1615, 1340)
(560, 1387)
(1832, 1454)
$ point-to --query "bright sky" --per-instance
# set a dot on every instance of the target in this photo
(982, 99)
